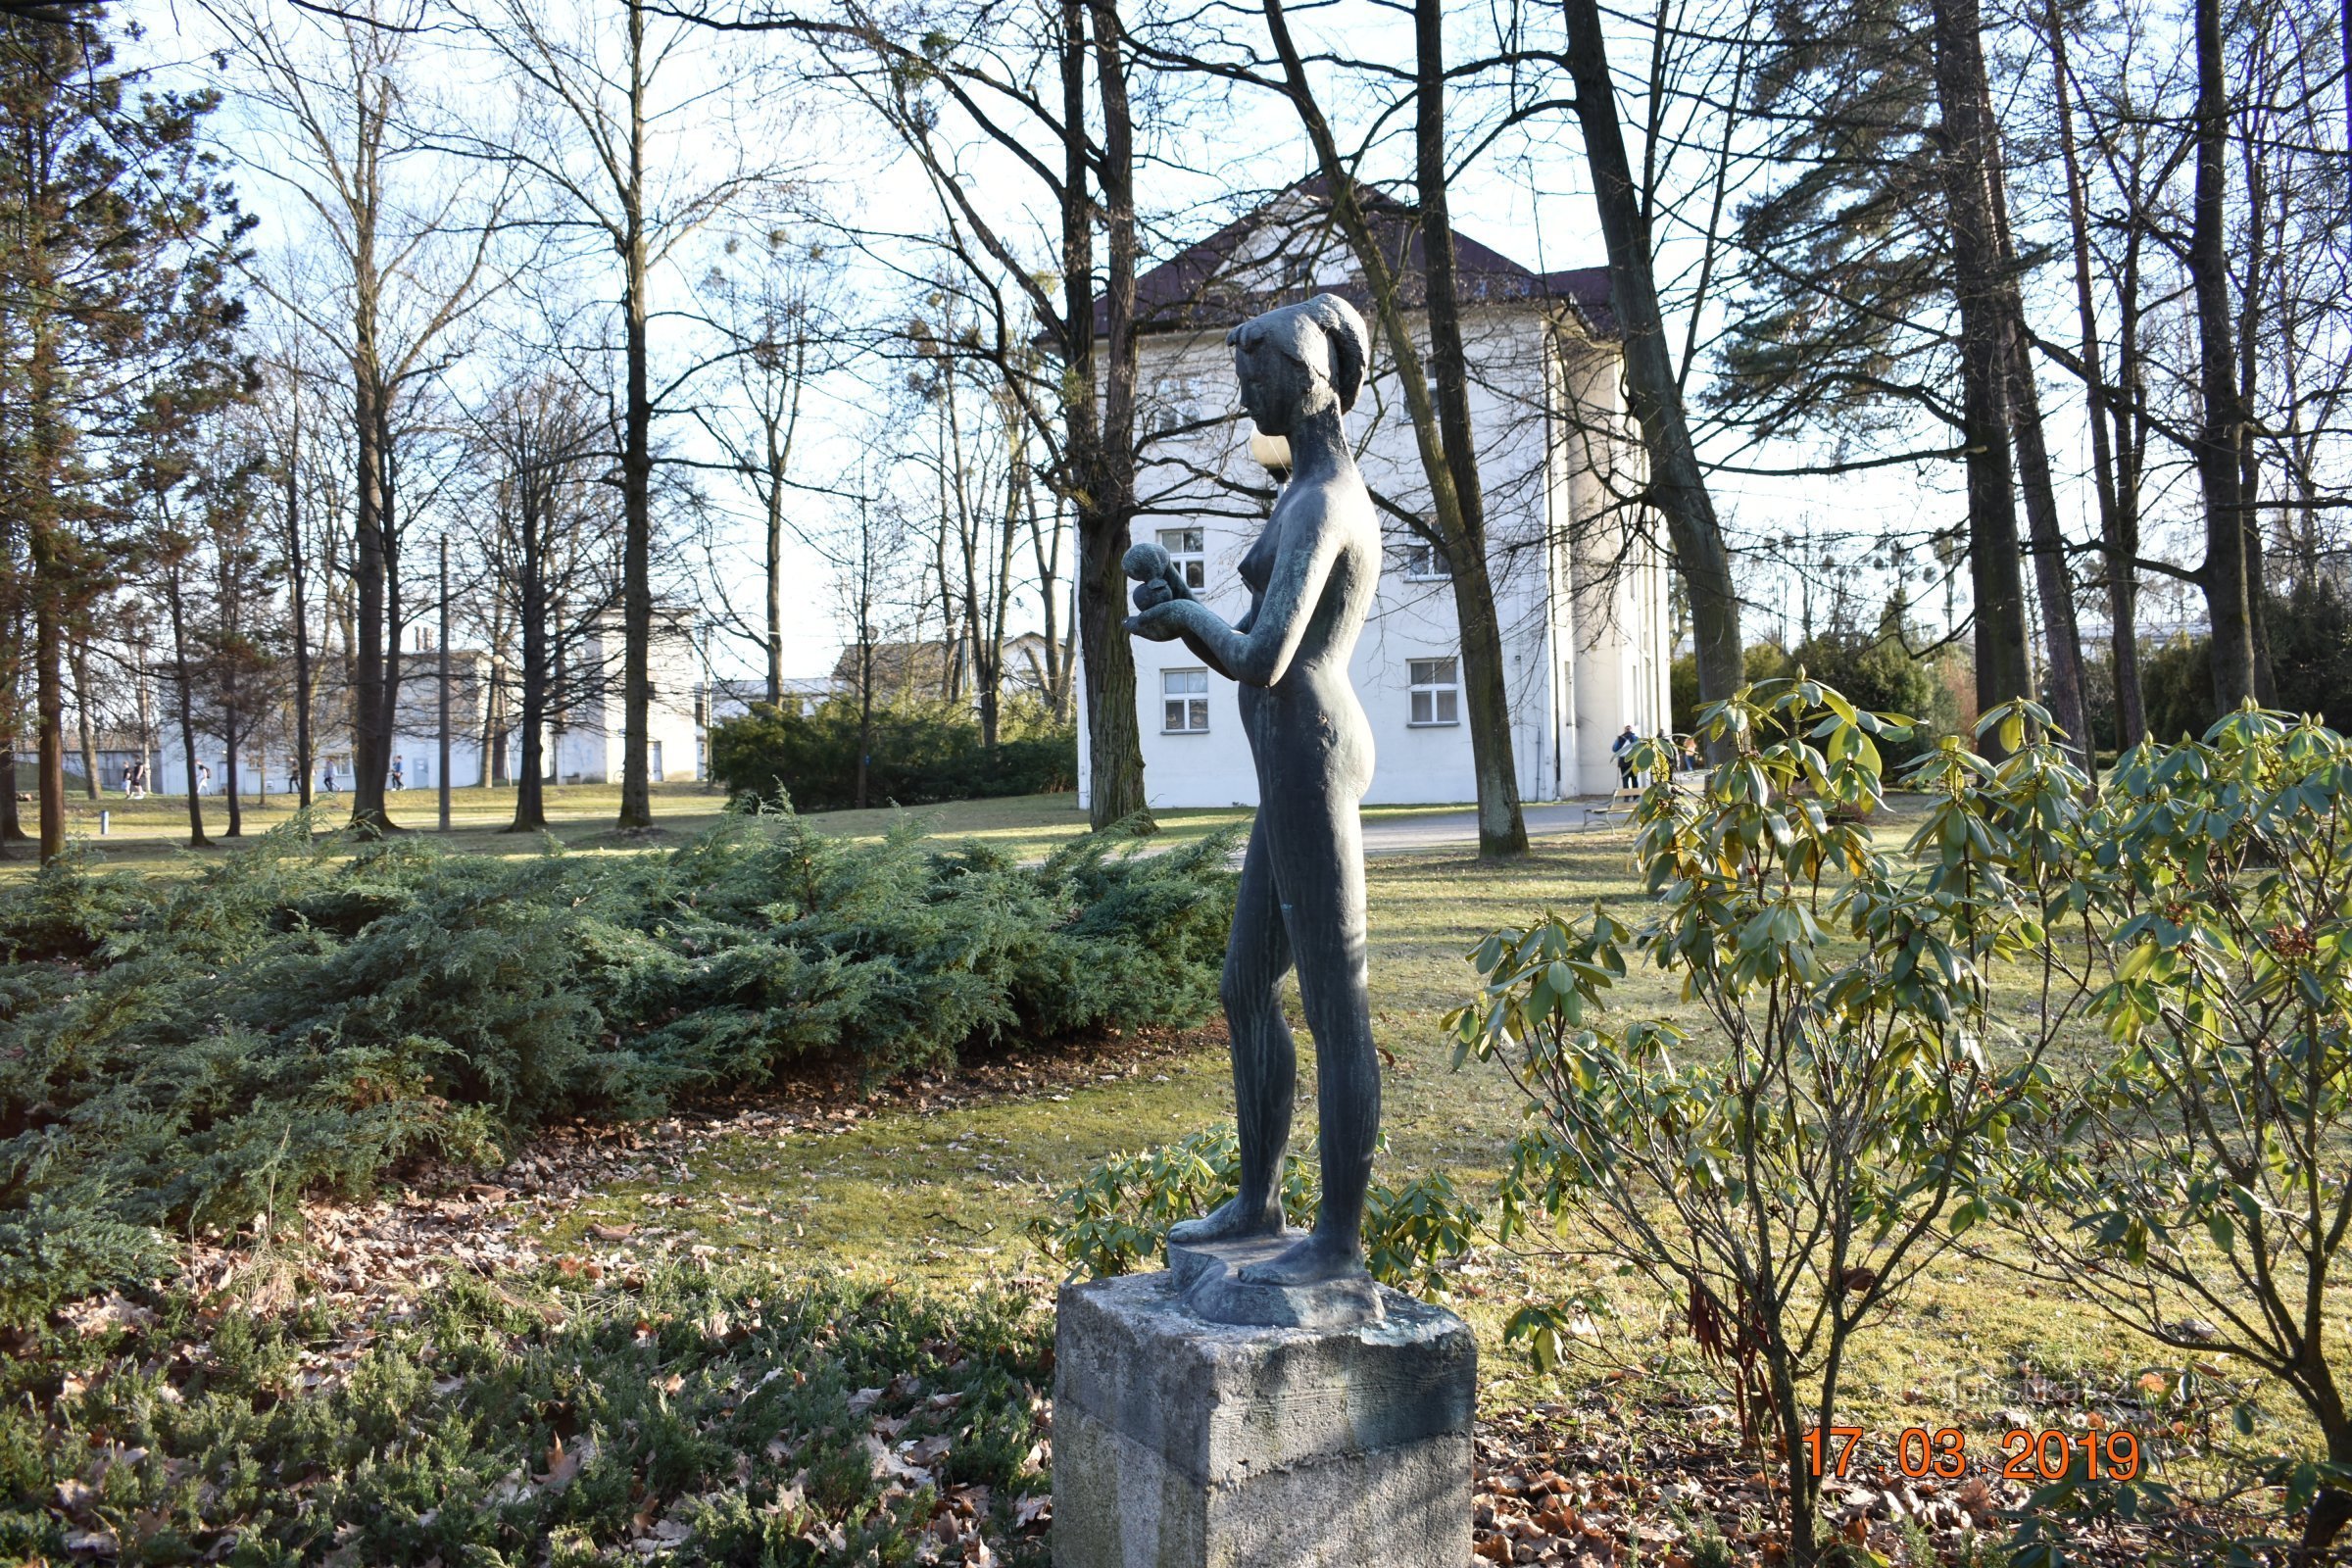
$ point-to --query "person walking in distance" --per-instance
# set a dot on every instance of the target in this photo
(1623, 750)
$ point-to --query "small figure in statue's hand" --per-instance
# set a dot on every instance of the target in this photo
(1159, 579)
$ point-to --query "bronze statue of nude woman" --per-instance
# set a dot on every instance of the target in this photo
(1311, 576)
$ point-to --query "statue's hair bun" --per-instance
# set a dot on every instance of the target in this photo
(1350, 344)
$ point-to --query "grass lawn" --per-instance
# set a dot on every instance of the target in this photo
(154, 832)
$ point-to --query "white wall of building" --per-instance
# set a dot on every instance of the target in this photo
(1580, 597)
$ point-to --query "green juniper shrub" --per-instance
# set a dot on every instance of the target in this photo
(917, 755)
(290, 1020)
(2176, 682)
(732, 1418)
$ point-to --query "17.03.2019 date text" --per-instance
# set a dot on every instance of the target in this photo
(2031, 1456)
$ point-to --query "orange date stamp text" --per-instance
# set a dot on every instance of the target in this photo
(2111, 1454)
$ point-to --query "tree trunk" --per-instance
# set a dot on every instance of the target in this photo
(636, 472)
(2004, 666)
(494, 730)
(12, 825)
(992, 647)
(375, 672)
(2121, 553)
(82, 717)
(180, 682)
(48, 658)
(865, 701)
(2249, 455)
(775, 584)
(1501, 826)
(1049, 599)
(1805, 1486)
(228, 766)
(1101, 443)
(48, 572)
(297, 603)
(2229, 593)
(2068, 698)
(441, 680)
(2332, 1509)
(531, 614)
(1678, 486)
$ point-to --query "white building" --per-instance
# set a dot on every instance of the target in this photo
(1580, 589)
(581, 743)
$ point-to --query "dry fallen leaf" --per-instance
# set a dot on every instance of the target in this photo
(562, 1465)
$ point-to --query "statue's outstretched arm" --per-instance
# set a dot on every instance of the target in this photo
(1259, 653)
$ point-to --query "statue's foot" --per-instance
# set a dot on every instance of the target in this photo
(1311, 1261)
(1233, 1220)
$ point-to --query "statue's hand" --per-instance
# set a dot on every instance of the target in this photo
(1151, 595)
(1158, 623)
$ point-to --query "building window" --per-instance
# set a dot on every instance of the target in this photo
(1423, 564)
(1171, 406)
(1184, 547)
(1437, 693)
(1184, 702)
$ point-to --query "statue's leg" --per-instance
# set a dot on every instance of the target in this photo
(1265, 1062)
(1318, 846)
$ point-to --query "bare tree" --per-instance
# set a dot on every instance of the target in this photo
(1048, 90)
(402, 258)
(615, 79)
(770, 301)
(297, 432)
(549, 550)
(1677, 483)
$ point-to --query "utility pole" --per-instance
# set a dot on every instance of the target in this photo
(445, 683)
(146, 776)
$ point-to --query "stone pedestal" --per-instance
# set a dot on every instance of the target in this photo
(1185, 1444)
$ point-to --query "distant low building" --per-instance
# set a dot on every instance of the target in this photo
(801, 695)
(921, 671)
(582, 743)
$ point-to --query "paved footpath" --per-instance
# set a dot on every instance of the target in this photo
(1446, 829)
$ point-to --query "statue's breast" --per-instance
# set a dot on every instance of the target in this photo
(1258, 567)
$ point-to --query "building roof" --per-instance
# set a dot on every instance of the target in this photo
(1289, 248)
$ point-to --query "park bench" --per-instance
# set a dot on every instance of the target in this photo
(1620, 803)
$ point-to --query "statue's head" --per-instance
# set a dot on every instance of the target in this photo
(1300, 359)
